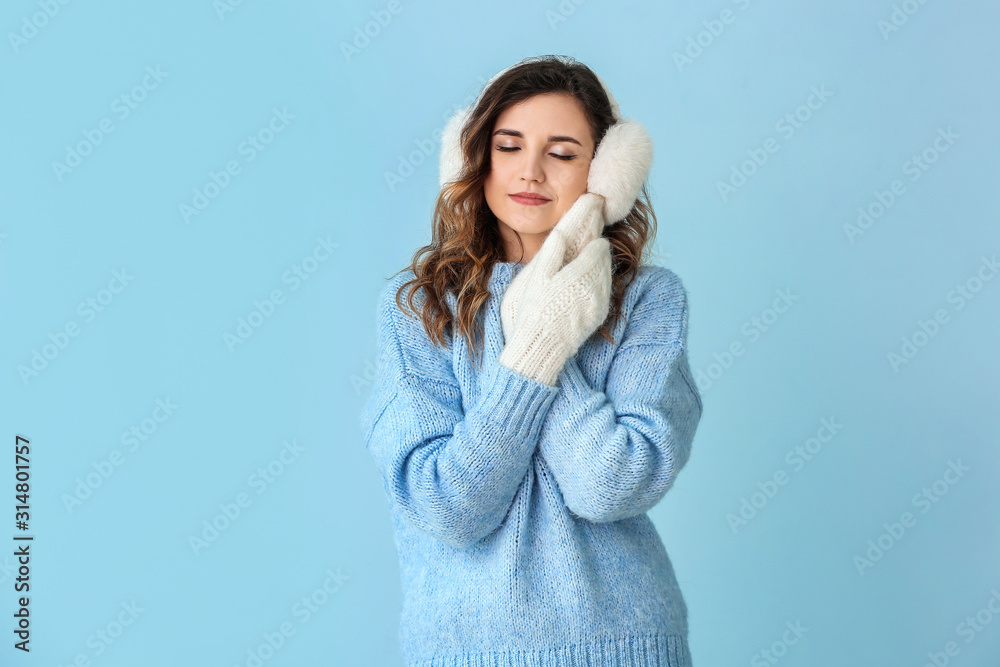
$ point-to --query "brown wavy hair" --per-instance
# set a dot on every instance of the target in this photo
(466, 240)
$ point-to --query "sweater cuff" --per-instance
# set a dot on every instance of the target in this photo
(515, 400)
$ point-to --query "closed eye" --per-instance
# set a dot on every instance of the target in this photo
(508, 149)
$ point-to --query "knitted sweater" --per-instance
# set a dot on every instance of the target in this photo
(519, 509)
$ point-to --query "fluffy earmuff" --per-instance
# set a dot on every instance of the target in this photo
(620, 167)
(617, 172)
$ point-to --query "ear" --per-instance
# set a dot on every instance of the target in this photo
(452, 161)
(620, 167)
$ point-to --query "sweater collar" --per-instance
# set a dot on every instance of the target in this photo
(503, 273)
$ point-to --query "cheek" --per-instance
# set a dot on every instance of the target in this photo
(494, 191)
(491, 183)
(499, 169)
(572, 183)
(493, 177)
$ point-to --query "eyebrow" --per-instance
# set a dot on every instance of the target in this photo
(515, 133)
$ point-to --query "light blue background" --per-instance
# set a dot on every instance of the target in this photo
(304, 373)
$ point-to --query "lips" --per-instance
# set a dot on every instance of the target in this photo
(529, 198)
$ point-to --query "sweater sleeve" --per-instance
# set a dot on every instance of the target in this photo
(614, 454)
(452, 473)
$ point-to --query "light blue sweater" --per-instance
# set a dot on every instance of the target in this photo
(519, 509)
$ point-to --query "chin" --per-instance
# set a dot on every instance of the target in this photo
(527, 225)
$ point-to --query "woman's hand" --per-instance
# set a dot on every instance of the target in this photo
(580, 225)
(556, 308)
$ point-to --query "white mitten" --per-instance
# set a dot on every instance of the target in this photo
(580, 224)
(560, 307)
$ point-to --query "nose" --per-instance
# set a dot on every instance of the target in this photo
(531, 167)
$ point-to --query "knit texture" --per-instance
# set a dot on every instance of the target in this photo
(519, 508)
(556, 309)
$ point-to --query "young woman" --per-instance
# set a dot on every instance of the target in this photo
(534, 400)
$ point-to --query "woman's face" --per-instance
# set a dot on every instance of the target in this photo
(542, 146)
